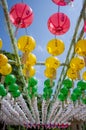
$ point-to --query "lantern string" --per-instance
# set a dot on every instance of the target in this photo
(22, 1)
(58, 9)
(26, 31)
(16, 31)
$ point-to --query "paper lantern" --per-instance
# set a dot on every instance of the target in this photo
(77, 63)
(10, 79)
(58, 23)
(16, 94)
(62, 2)
(81, 85)
(29, 72)
(32, 81)
(26, 43)
(73, 97)
(34, 89)
(80, 47)
(52, 62)
(67, 83)
(6, 69)
(2, 90)
(3, 60)
(55, 47)
(61, 97)
(13, 87)
(72, 74)
(84, 75)
(50, 73)
(48, 83)
(47, 89)
(31, 60)
(77, 91)
(64, 90)
(21, 15)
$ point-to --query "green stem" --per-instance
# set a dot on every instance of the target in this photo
(13, 40)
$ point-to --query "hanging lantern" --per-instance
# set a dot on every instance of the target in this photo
(81, 85)
(72, 74)
(47, 83)
(80, 47)
(64, 90)
(55, 47)
(21, 15)
(47, 89)
(50, 73)
(3, 59)
(52, 62)
(16, 94)
(2, 90)
(77, 92)
(77, 63)
(29, 72)
(13, 87)
(73, 97)
(10, 79)
(58, 23)
(6, 69)
(84, 75)
(32, 82)
(31, 60)
(62, 2)
(67, 83)
(61, 97)
(26, 43)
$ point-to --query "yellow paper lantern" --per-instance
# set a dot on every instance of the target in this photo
(50, 73)
(3, 59)
(80, 47)
(52, 62)
(26, 43)
(29, 72)
(31, 60)
(55, 47)
(72, 74)
(77, 63)
(6, 69)
(0, 43)
(84, 75)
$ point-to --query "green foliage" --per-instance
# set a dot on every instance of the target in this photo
(15, 69)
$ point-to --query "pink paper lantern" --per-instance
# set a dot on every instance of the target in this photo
(62, 2)
(58, 23)
(21, 15)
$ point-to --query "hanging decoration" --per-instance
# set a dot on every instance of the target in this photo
(21, 15)
(62, 2)
(55, 47)
(27, 44)
(58, 23)
(80, 48)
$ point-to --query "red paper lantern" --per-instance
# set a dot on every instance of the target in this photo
(58, 23)
(21, 15)
(62, 2)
